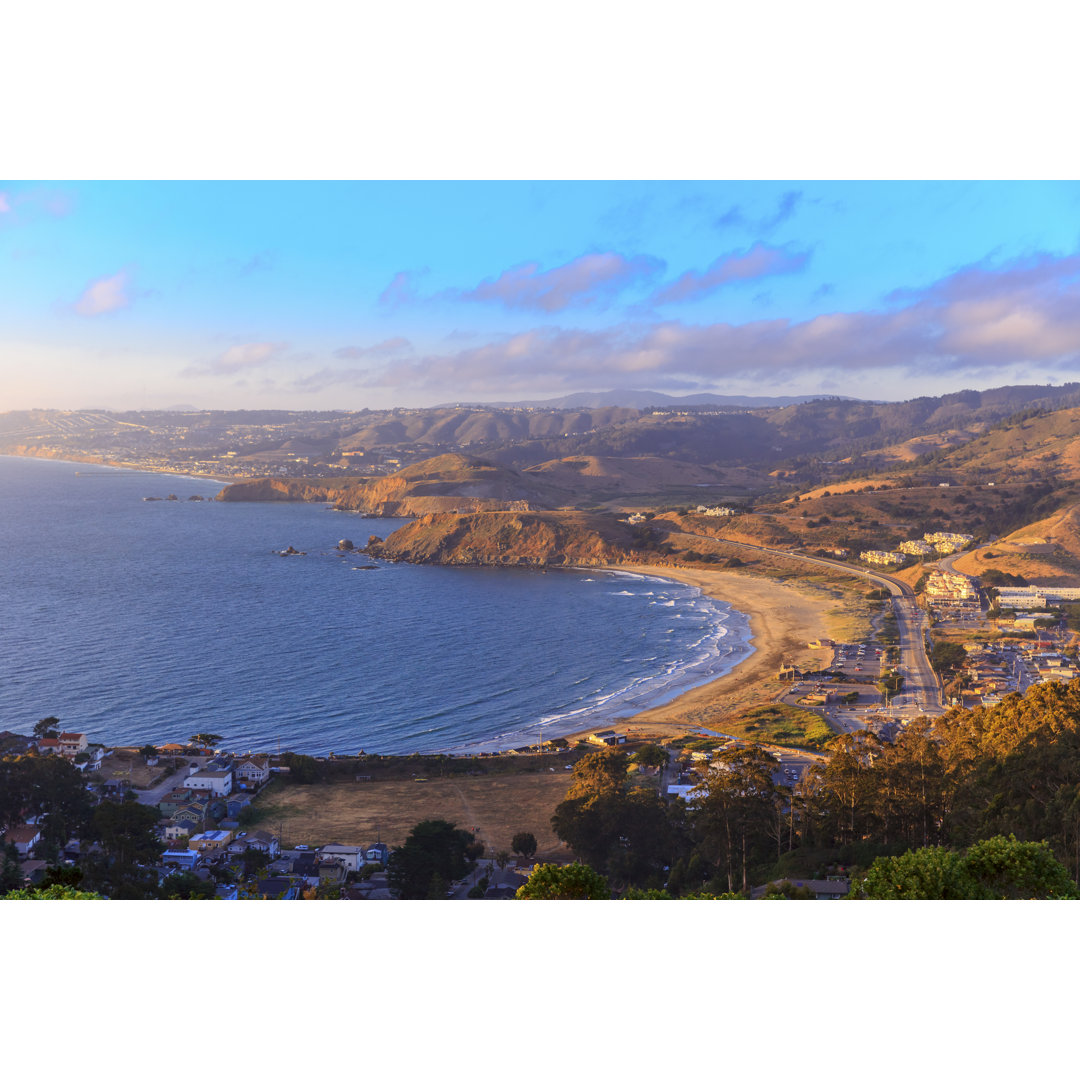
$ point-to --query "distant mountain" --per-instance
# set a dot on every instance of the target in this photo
(644, 399)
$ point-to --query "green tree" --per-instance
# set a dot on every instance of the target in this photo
(930, 873)
(651, 755)
(788, 890)
(53, 892)
(1000, 868)
(574, 882)
(48, 728)
(434, 848)
(524, 844)
(185, 885)
(148, 751)
(205, 739)
(11, 874)
(602, 773)
(1009, 869)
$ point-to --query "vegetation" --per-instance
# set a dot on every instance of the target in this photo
(573, 882)
(435, 854)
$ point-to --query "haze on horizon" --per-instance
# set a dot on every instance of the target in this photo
(350, 295)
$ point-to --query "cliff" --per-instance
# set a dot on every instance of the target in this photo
(449, 483)
(511, 538)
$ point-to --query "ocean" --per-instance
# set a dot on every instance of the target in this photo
(149, 621)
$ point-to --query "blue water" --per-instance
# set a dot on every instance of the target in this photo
(139, 621)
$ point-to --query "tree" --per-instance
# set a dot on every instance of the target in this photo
(930, 873)
(501, 859)
(53, 892)
(48, 728)
(206, 740)
(574, 882)
(524, 844)
(603, 773)
(1001, 868)
(651, 755)
(11, 875)
(148, 751)
(433, 849)
(185, 885)
(1009, 869)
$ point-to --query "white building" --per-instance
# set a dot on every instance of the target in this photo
(212, 779)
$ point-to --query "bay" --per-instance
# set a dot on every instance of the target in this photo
(140, 621)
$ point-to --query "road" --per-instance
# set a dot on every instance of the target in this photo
(921, 693)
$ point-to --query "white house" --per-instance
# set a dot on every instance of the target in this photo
(349, 855)
(212, 779)
(253, 771)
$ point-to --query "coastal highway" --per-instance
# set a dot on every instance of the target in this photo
(921, 693)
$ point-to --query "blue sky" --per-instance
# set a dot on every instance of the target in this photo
(315, 295)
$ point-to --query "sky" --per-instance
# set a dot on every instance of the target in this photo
(373, 294)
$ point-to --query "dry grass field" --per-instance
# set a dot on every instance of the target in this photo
(357, 812)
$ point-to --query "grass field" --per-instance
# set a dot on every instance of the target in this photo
(781, 725)
(359, 813)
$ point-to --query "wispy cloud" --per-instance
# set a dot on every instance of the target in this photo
(5, 206)
(758, 261)
(586, 281)
(401, 290)
(104, 295)
(240, 358)
(736, 217)
(379, 351)
(980, 319)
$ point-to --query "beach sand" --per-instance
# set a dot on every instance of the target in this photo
(784, 618)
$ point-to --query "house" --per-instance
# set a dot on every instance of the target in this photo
(181, 858)
(834, 888)
(179, 830)
(252, 772)
(237, 802)
(607, 738)
(210, 841)
(67, 743)
(350, 856)
(214, 779)
(277, 888)
(255, 841)
(377, 854)
(24, 837)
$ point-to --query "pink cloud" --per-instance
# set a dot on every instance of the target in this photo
(758, 261)
(586, 280)
(104, 295)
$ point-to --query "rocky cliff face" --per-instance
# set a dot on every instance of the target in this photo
(450, 483)
(509, 538)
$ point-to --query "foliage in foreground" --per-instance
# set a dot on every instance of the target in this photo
(574, 882)
(1001, 868)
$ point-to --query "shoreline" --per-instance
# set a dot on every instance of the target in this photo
(124, 466)
(783, 619)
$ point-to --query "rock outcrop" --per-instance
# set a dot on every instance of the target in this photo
(510, 538)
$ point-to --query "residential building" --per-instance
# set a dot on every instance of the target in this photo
(211, 840)
(252, 772)
(24, 837)
(67, 743)
(212, 778)
(884, 558)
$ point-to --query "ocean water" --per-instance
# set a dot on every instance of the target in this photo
(138, 621)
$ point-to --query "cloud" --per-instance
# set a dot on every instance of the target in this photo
(585, 281)
(5, 206)
(758, 261)
(980, 319)
(401, 289)
(239, 359)
(380, 351)
(263, 260)
(104, 295)
(736, 217)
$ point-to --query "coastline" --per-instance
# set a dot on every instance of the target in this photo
(127, 466)
(783, 619)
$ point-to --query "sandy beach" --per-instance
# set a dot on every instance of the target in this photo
(784, 618)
